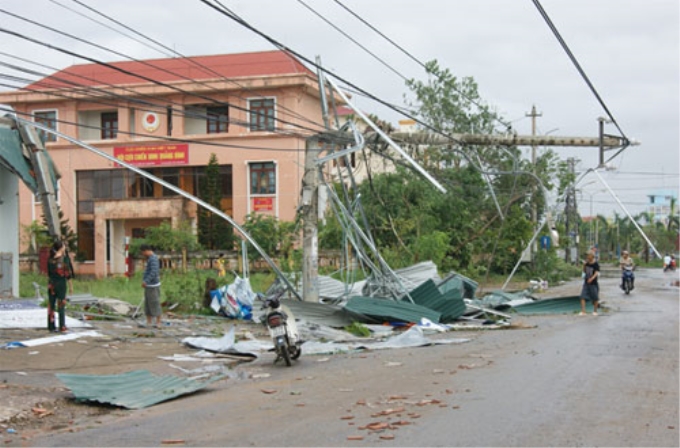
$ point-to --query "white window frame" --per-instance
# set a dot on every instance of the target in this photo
(249, 196)
(56, 120)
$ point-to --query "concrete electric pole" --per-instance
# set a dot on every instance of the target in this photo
(534, 207)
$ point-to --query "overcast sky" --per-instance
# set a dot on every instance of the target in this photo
(628, 48)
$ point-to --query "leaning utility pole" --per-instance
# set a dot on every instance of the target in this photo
(310, 213)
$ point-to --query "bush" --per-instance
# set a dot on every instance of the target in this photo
(165, 238)
(548, 266)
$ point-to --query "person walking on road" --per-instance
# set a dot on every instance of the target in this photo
(151, 282)
(60, 273)
(591, 289)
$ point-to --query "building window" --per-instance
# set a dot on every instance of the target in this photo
(263, 178)
(109, 125)
(86, 240)
(171, 176)
(46, 118)
(217, 120)
(140, 186)
(261, 114)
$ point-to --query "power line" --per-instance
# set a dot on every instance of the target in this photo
(172, 52)
(573, 59)
(505, 123)
(231, 15)
(119, 69)
(158, 137)
(78, 88)
(335, 27)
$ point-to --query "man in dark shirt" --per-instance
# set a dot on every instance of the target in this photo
(591, 289)
(151, 282)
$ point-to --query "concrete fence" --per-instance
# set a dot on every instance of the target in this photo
(202, 260)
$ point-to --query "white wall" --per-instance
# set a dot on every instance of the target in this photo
(9, 227)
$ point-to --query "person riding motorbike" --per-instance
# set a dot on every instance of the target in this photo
(666, 262)
(627, 264)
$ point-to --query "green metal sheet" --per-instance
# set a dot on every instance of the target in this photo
(561, 305)
(464, 285)
(391, 310)
(451, 304)
(12, 158)
(133, 390)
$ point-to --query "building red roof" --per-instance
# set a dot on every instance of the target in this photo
(175, 69)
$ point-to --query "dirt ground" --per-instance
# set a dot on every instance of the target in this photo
(35, 403)
(34, 400)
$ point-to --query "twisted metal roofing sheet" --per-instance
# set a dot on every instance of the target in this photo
(133, 390)
(561, 305)
(387, 309)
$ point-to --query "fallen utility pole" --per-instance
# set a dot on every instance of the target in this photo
(427, 138)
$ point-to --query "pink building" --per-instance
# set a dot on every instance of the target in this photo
(252, 110)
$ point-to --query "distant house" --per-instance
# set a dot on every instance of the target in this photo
(660, 202)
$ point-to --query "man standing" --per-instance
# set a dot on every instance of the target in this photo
(151, 282)
(591, 289)
(60, 273)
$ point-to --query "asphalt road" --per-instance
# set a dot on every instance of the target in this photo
(561, 380)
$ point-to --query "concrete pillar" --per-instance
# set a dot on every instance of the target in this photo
(100, 223)
(9, 228)
(117, 249)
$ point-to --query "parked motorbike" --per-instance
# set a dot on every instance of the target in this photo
(283, 331)
(627, 280)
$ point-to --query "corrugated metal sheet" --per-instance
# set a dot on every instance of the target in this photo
(391, 310)
(561, 305)
(465, 286)
(418, 273)
(319, 313)
(133, 390)
(450, 305)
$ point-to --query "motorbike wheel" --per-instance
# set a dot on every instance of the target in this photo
(296, 351)
(284, 352)
(626, 287)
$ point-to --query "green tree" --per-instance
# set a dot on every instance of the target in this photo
(67, 233)
(276, 238)
(214, 232)
(167, 239)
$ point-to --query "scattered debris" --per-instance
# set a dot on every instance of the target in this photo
(32, 318)
(52, 339)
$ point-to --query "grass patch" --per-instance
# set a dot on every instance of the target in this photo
(186, 290)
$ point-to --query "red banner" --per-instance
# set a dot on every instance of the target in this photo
(153, 155)
(263, 204)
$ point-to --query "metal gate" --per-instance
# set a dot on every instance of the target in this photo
(6, 276)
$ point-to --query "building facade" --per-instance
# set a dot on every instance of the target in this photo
(168, 116)
(662, 204)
